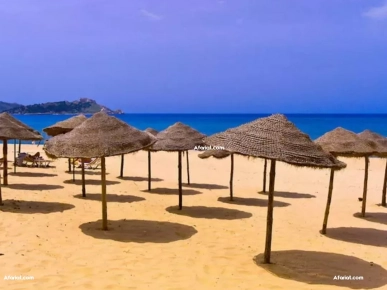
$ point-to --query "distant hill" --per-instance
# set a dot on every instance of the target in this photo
(7, 106)
(83, 105)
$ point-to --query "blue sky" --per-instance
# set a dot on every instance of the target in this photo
(184, 56)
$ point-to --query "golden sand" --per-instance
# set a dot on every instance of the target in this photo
(51, 233)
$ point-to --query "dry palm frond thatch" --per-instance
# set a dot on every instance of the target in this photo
(278, 139)
(65, 126)
(152, 131)
(99, 136)
(218, 154)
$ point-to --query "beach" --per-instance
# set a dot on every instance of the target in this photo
(49, 232)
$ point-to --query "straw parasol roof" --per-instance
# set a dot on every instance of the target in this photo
(368, 134)
(178, 137)
(218, 154)
(380, 140)
(11, 130)
(21, 124)
(342, 142)
(65, 126)
(99, 136)
(151, 131)
(274, 137)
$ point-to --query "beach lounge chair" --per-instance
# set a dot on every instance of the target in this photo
(93, 164)
(40, 162)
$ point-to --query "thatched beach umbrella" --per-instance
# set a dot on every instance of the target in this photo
(100, 136)
(277, 139)
(64, 127)
(25, 126)
(382, 141)
(221, 154)
(9, 130)
(342, 142)
(178, 138)
(154, 133)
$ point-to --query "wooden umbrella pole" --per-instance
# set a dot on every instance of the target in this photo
(149, 171)
(19, 146)
(264, 176)
(5, 162)
(104, 202)
(384, 187)
(330, 190)
(231, 176)
(83, 178)
(122, 165)
(69, 160)
(73, 169)
(180, 182)
(363, 207)
(14, 156)
(188, 179)
(269, 226)
(1, 197)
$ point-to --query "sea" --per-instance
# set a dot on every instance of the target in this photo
(314, 125)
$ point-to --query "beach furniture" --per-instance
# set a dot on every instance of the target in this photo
(10, 130)
(100, 136)
(64, 127)
(94, 163)
(178, 138)
(342, 142)
(277, 139)
(382, 141)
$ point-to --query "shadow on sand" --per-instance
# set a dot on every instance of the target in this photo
(286, 194)
(33, 207)
(375, 217)
(23, 186)
(321, 268)
(33, 174)
(139, 178)
(139, 231)
(79, 172)
(110, 197)
(90, 182)
(209, 212)
(172, 191)
(364, 236)
(251, 201)
(205, 186)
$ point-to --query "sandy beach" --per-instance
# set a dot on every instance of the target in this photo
(50, 232)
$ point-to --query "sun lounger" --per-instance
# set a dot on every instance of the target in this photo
(43, 163)
(33, 160)
(93, 164)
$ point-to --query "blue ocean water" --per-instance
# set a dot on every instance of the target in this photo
(314, 125)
